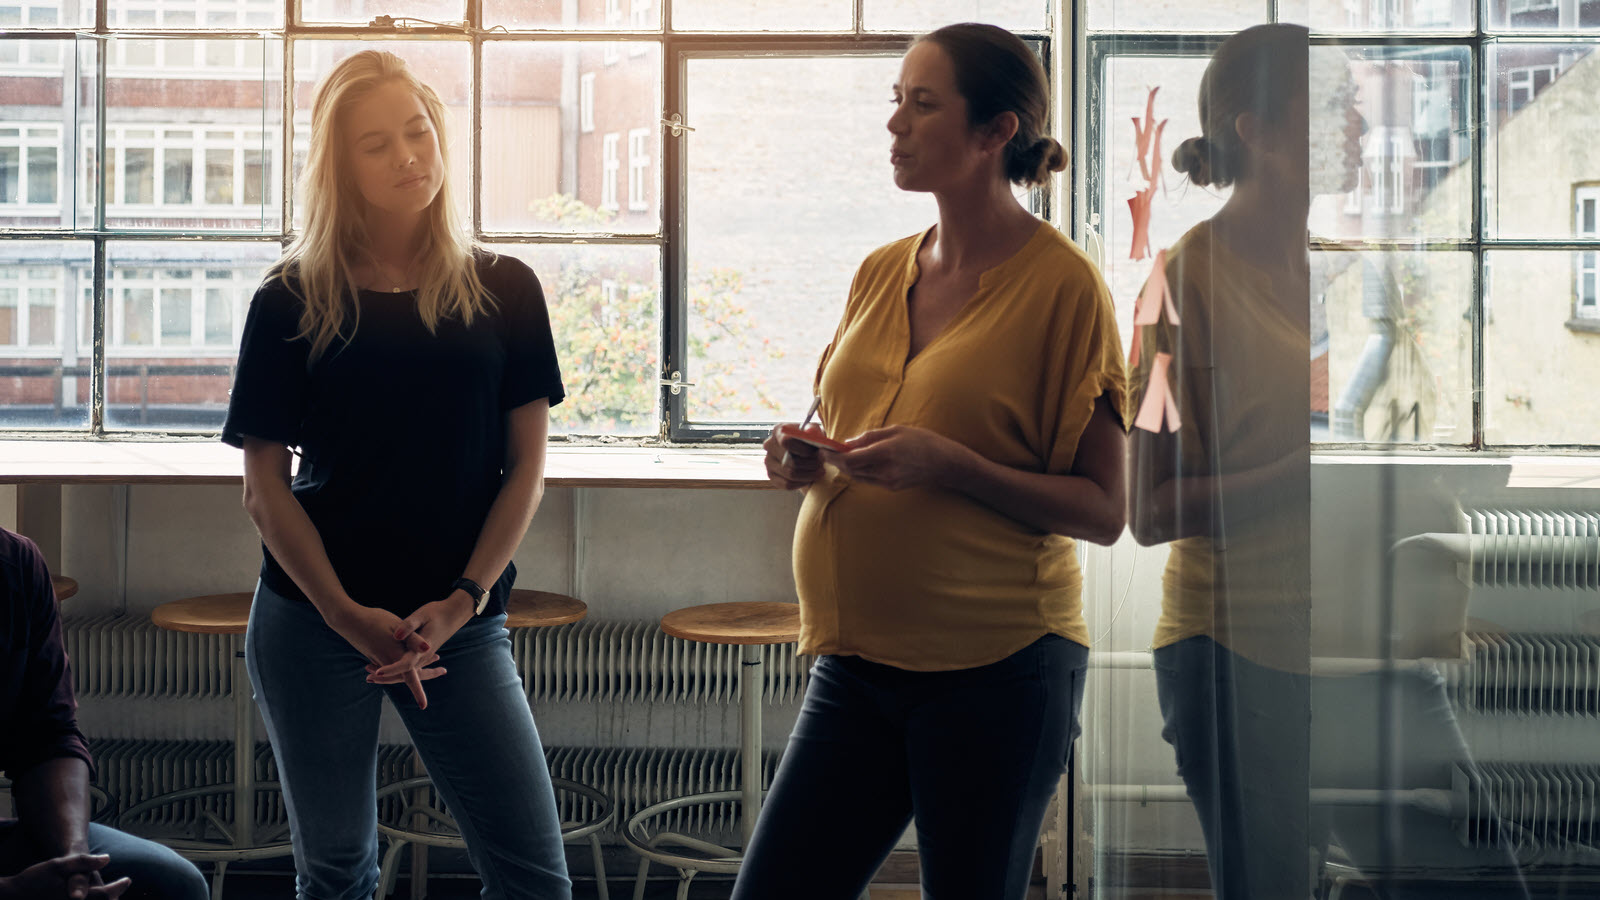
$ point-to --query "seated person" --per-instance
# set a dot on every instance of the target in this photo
(52, 852)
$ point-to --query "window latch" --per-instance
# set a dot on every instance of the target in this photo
(676, 126)
(677, 384)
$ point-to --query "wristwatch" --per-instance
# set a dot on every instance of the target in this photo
(480, 597)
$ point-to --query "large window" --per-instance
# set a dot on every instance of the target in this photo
(1476, 134)
(694, 182)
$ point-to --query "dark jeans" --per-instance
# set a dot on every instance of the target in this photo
(477, 739)
(973, 755)
(1252, 742)
(157, 872)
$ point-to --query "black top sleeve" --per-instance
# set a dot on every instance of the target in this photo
(532, 370)
(268, 399)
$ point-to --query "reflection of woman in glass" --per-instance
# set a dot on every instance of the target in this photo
(1229, 487)
(415, 374)
(978, 373)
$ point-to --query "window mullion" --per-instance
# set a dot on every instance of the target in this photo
(1479, 105)
(674, 255)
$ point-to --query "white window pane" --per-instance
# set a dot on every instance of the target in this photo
(926, 15)
(772, 15)
(641, 15)
(32, 120)
(195, 124)
(545, 168)
(44, 383)
(1541, 136)
(608, 342)
(1541, 351)
(1416, 154)
(312, 11)
(181, 14)
(172, 380)
(1534, 15)
(770, 256)
(1203, 16)
(1414, 385)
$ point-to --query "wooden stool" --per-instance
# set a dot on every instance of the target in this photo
(750, 626)
(431, 826)
(223, 614)
(64, 587)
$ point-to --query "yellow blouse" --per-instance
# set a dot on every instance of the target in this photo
(929, 579)
(1241, 377)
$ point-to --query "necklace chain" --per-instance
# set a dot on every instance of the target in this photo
(383, 272)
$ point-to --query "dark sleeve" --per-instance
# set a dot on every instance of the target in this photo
(532, 370)
(46, 711)
(270, 383)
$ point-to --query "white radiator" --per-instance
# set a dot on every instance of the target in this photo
(1529, 674)
(127, 656)
(1521, 548)
(1528, 806)
(132, 772)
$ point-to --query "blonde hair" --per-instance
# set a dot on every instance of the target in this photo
(317, 267)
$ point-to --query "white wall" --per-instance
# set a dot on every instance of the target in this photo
(641, 553)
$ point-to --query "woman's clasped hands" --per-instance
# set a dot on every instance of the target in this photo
(896, 457)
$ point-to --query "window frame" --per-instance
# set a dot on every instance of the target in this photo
(1091, 113)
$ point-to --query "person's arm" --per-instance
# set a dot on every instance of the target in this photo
(53, 805)
(521, 491)
(1085, 503)
(1168, 503)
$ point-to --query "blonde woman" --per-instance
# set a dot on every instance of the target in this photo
(415, 376)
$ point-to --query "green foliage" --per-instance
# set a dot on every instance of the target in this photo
(610, 350)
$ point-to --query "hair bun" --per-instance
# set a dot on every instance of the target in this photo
(1193, 158)
(1036, 164)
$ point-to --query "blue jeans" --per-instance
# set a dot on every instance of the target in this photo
(973, 755)
(476, 737)
(157, 873)
(1252, 742)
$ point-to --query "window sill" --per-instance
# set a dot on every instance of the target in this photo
(1587, 326)
(211, 462)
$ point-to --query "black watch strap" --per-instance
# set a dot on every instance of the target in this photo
(480, 597)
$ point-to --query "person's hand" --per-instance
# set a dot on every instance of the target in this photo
(899, 457)
(791, 464)
(371, 631)
(75, 877)
(434, 623)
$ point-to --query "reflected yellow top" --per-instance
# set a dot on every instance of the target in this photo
(1241, 377)
(929, 579)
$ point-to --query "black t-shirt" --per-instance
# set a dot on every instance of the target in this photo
(401, 433)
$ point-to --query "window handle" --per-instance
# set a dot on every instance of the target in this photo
(677, 383)
(676, 126)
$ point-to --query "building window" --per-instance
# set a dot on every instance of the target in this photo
(638, 169)
(1586, 304)
(162, 171)
(30, 303)
(613, 51)
(639, 19)
(30, 167)
(609, 164)
(1525, 82)
(1390, 155)
(586, 102)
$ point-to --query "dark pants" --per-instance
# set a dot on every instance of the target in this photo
(157, 873)
(1252, 742)
(972, 755)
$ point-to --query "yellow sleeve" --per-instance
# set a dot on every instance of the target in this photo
(1093, 366)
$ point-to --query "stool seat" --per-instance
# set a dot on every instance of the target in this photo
(214, 614)
(542, 609)
(750, 622)
(64, 587)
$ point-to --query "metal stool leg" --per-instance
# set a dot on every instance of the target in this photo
(244, 750)
(685, 876)
(391, 868)
(599, 868)
(217, 874)
(638, 881)
(750, 685)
